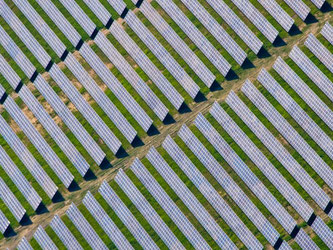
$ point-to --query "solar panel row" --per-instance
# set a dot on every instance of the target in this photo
(162, 54)
(11, 201)
(150, 69)
(39, 142)
(85, 228)
(43, 239)
(320, 51)
(279, 14)
(301, 88)
(229, 185)
(196, 36)
(126, 216)
(212, 196)
(190, 201)
(327, 32)
(265, 27)
(299, 7)
(243, 171)
(298, 114)
(275, 147)
(177, 43)
(147, 211)
(288, 132)
(66, 237)
(168, 205)
(236, 24)
(19, 180)
(109, 227)
(312, 71)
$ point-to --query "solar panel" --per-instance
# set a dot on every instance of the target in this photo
(301, 88)
(312, 71)
(177, 43)
(117, 59)
(43, 239)
(39, 142)
(78, 14)
(4, 223)
(298, 114)
(265, 27)
(27, 159)
(256, 186)
(99, 10)
(168, 205)
(79, 72)
(243, 171)
(147, 211)
(19, 180)
(323, 231)
(66, 237)
(228, 184)
(15, 52)
(23, 33)
(189, 199)
(327, 32)
(131, 76)
(318, 3)
(216, 30)
(299, 7)
(70, 120)
(94, 61)
(109, 227)
(40, 25)
(11, 201)
(162, 54)
(196, 36)
(279, 14)
(85, 109)
(126, 217)
(99, 96)
(58, 18)
(320, 51)
(53, 130)
(281, 154)
(212, 196)
(149, 68)
(289, 133)
(85, 228)
(118, 5)
(236, 25)
(24, 245)
(302, 240)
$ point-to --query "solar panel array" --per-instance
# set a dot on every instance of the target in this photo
(85, 228)
(320, 51)
(177, 43)
(304, 91)
(198, 38)
(214, 184)
(210, 194)
(168, 205)
(189, 199)
(312, 71)
(279, 14)
(161, 53)
(11, 201)
(236, 24)
(147, 211)
(327, 32)
(43, 239)
(267, 29)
